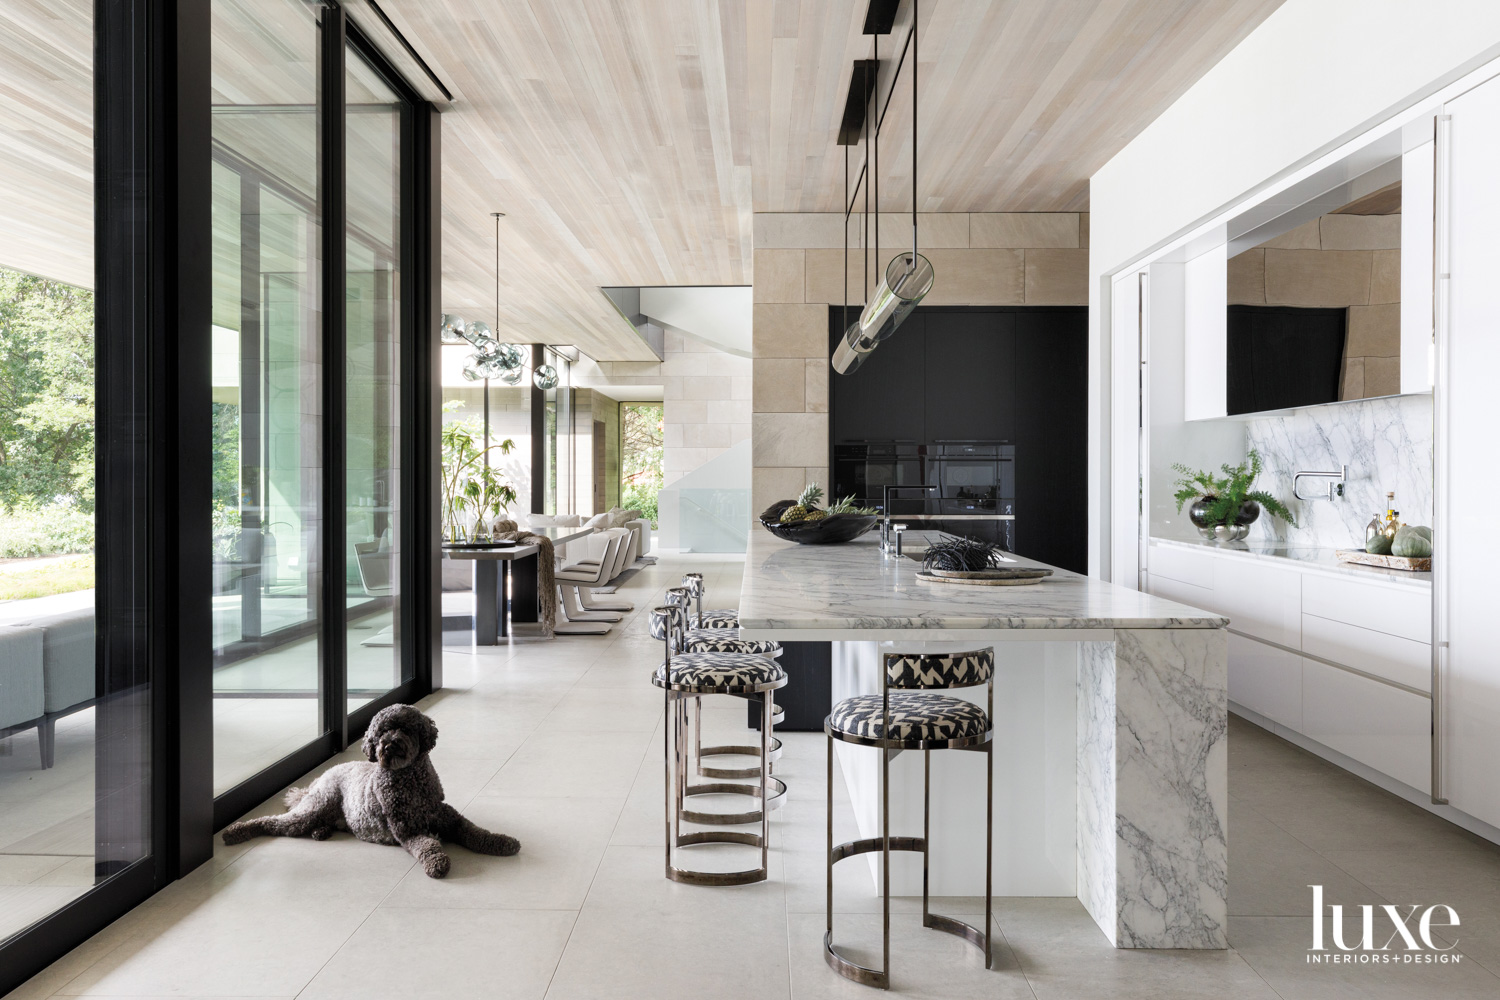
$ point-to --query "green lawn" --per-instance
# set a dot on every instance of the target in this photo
(28, 578)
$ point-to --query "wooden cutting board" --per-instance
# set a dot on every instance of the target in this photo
(1410, 564)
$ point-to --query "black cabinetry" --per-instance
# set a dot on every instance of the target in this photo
(1012, 381)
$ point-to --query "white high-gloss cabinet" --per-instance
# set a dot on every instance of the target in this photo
(1338, 659)
(1467, 457)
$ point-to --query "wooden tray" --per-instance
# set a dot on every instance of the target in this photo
(1033, 577)
(1410, 564)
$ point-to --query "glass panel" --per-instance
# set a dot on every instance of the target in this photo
(267, 403)
(74, 738)
(372, 571)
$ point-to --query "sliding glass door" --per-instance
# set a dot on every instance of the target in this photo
(376, 122)
(310, 148)
(267, 411)
(218, 436)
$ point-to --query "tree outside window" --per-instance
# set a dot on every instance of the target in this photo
(641, 457)
(46, 434)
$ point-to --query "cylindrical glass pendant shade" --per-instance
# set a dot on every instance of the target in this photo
(477, 333)
(852, 350)
(908, 279)
(452, 330)
(545, 377)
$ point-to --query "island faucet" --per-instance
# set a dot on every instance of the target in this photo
(886, 543)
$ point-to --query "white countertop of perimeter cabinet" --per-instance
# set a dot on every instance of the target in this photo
(854, 587)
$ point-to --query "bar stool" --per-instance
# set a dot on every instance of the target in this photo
(911, 720)
(691, 675)
(720, 624)
(691, 640)
(715, 617)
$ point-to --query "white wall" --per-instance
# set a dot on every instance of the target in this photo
(1314, 74)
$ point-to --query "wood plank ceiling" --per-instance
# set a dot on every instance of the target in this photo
(631, 141)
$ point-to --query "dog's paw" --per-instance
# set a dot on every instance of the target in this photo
(322, 833)
(236, 833)
(435, 864)
(507, 845)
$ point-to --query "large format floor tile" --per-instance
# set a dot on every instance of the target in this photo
(560, 745)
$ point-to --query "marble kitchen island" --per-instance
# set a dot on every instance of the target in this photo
(1111, 716)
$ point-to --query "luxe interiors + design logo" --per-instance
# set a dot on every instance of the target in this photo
(1396, 938)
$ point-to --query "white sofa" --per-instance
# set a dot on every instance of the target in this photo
(66, 667)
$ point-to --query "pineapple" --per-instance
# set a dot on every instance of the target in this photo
(806, 507)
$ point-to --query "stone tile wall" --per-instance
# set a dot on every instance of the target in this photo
(1014, 258)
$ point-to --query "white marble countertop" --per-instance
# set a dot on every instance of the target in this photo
(854, 586)
(1314, 557)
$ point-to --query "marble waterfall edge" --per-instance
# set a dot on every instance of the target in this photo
(1153, 765)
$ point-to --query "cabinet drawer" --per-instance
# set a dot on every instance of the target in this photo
(1181, 565)
(1395, 611)
(1376, 724)
(1261, 599)
(1390, 656)
(1266, 680)
(1184, 593)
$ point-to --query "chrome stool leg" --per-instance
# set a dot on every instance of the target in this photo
(775, 786)
(673, 754)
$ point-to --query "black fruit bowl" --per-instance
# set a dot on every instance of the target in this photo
(831, 529)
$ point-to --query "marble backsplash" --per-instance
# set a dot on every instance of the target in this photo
(1387, 445)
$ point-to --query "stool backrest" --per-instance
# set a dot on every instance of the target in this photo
(678, 596)
(939, 670)
(669, 623)
(693, 583)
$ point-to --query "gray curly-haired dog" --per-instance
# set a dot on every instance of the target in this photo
(395, 799)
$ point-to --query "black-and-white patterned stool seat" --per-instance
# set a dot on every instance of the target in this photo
(727, 640)
(718, 618)
(721, 673)
(941, 670)
(914, 717)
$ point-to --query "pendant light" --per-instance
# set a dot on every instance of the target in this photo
(908, 277)
(491, 358)
(452, 329)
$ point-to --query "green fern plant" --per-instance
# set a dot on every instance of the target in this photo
(1227, 493)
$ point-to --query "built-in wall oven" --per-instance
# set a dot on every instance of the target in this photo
(976, 480)
(863, 469)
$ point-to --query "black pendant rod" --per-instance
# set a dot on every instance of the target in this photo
(875, 168)
(913, 39)
(864, 235)
(890, 93)
(845, 324)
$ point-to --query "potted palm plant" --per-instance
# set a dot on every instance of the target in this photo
(1224, 507)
